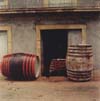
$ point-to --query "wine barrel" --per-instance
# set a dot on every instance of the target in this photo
(58, 67)
(21, 66)
(79, 62)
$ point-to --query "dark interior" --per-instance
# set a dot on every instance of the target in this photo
(54, 45)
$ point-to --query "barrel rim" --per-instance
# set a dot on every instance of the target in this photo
(80, 45)
(37, 72)
(13, 54)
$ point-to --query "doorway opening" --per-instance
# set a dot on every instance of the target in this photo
(54, 43)
(75, 33)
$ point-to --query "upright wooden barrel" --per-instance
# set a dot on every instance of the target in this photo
(21, 66)
(79, 62)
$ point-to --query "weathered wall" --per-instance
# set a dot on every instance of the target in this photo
(91, 20)
(93, 37)
(24, 34)
(24, 3)
(62, 3)
(37, 3)
(52, 3)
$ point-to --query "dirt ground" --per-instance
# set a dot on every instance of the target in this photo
(52, 89)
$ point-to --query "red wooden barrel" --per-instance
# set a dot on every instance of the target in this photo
(79, 62)
(21, 66)
(58, 67)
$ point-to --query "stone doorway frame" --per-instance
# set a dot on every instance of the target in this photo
(9, 37)
(81, 27)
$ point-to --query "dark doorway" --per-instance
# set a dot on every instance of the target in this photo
(54, 45)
